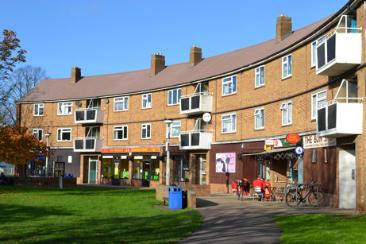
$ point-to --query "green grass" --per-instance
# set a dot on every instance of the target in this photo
(322, 228)
(90, 215)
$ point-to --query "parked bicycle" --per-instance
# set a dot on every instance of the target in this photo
(310, 194)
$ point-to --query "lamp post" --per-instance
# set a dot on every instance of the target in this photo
(168, 122)
(48, 134)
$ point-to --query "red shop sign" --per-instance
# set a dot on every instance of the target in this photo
(293, 138)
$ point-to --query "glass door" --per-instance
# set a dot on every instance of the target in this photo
(93, 170)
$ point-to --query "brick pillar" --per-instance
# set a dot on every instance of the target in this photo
(192, 169)
(80, 179)
(162, 172)
(99, 178)
(130, 171)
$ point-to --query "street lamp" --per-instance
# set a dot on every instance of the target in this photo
(168, 122)
(48, 134)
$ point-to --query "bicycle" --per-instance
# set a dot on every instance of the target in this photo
(311, 193)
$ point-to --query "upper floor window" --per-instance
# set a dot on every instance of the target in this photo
(120, 132)
(286, 66)
(228, 123)
(229, 85)
(145, 131)
(174, 96)
(318, 100)
(146, 101)
(259, 76)
(313, 53)
(174, 129)
(38, 109)
(121, 104)
(64, 134)
(286, 111)
(64, 108)
(38, 133)
(259, 118)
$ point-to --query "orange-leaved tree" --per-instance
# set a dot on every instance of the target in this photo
(18, 145)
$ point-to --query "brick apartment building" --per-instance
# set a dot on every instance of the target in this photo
(228, 115)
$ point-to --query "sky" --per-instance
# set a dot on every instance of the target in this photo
(109, 36)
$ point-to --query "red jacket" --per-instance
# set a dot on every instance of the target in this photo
(258, 183)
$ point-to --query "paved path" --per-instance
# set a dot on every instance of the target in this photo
(227, 220)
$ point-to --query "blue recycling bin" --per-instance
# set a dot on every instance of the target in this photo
(175, 197)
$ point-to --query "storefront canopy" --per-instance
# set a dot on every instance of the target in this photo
(276, 150)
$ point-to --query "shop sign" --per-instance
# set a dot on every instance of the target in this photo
(293, 138)
(225, 162)
(278, 143)
(299, 150)
(314, 141)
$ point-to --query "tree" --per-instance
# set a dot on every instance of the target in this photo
(18, 145)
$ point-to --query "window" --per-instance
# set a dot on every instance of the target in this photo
(38, 109)
(318, 101)
(146, 101)
(259, 76)
(259, 119)
(286, 66)
(229, 85)
(174, 96)
(146, 131)
(174, 129)
(120, 132)
(313, 54)
(228, 123)
(64, 134)
(64, 108)
(286, 110)
(121, 104)
(38, 133)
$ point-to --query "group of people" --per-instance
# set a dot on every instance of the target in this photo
(261, 187)
(242, 188)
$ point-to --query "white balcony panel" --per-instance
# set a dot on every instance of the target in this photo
(195, 104)
(88, 116)
(195, 140)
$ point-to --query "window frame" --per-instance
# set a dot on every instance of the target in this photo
(62, 130)
(256, 73)
(143, 98)
(285, 107)
(39, 106)
(60, 104)
(171, 128)
(123, 134)
(37, 130)
(179, 95)
(233, 123)
(142, 127)
(125, 98)
(286, 62)
(316, 94)
(255, 118)
(313, 54)
(229, 79)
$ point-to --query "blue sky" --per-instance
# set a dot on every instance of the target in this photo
(108, 36)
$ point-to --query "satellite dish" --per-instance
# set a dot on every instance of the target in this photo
(206, 117)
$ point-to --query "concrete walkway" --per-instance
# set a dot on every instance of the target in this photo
(228, 220)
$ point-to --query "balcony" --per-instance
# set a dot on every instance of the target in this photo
(340, 50)
(339, 119)
(195, 104)
(195, 140)
(87, 144)
(89, 116)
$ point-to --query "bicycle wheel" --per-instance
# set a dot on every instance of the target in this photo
(292, 198)
(316, 198)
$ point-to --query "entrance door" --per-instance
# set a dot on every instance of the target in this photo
(347, 179)
(93, 169)
(202, 169)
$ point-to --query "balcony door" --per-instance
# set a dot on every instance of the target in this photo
(347, 178)
(93, 103)
(92, 132)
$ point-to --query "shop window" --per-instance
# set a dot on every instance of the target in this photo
(181, 173)
(107, 168)
(137, 170)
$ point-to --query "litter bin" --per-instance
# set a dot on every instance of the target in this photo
(175, 197)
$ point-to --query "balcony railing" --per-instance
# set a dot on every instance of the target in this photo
(195, 140)
(340, 50)
(88, 116)
(339, 119)
(196, 103)
(87, 144)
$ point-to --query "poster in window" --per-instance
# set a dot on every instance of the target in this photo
(225, 162)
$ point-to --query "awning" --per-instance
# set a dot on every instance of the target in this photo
(276, 150)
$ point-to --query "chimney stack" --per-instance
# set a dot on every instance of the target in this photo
(157, 63)
(75, 74)
(195, 55)
(283, 27)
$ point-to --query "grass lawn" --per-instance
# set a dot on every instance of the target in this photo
(322, 228)
(90, 215)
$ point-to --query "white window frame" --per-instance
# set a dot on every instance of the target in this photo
(37, 108)
(120, 128)
(286, 63)
(125, 103)
(314, 57)
(230, 118)
(144, 126)
(171, 102)
(174, 124)
(285, 109)
(35, 133)
(60, 131)
(230, 80)
(255, 118)
(62, 107)
(258, 76)
(316, 96)
(146, 97)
